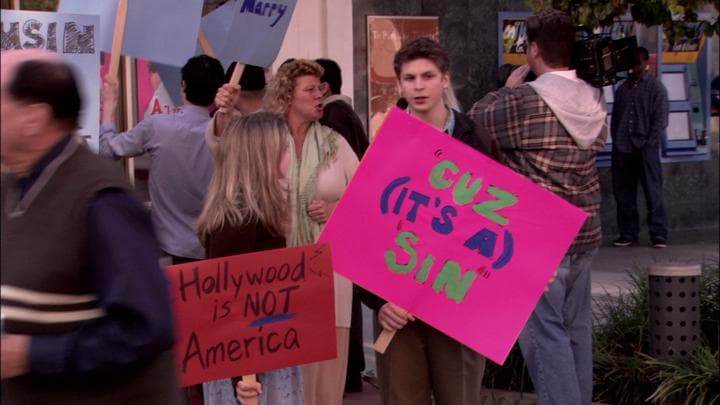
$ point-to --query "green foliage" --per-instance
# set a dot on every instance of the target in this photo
(620, 331)
(625, 374)
(692, 383)
(592, 13)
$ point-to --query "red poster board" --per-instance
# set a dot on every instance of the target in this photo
(251, 313)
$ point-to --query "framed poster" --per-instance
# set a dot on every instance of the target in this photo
(514, 40)
(687, 48)
(386, 34)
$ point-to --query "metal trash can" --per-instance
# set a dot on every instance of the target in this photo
(674, 302)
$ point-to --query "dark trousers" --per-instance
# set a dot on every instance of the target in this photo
(642, 165)
(356, 349)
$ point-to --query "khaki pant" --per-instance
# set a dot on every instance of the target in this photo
(324, 381)
(421, 361)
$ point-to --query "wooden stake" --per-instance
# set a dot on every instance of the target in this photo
(239, 68)
(120, 19)
(205, 44)
(383, 340)
(250, 378)
(16, 4)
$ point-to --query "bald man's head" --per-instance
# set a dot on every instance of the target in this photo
(40, 103)
(34, 76)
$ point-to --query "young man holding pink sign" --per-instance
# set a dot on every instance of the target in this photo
(421, 362)
(550, 131)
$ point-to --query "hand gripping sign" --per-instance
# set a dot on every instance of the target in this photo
(460, 241)
(250, 313)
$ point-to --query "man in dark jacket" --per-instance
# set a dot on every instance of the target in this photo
(85, 306)
(338, 112)
(422, 362)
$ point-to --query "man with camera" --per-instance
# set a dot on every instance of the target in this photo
(639, 118)
(550, 131)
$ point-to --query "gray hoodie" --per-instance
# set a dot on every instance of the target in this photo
(579, 107)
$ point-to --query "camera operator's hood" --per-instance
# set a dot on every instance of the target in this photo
(579, 107)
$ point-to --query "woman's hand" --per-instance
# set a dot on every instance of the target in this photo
(245, 391)
(226, 97)
(392, 317)
(320, 210)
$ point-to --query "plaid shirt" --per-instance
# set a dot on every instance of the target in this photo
(535, 144)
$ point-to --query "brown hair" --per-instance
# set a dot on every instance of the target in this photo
(422, 48)
(554, 33)
(282, 85)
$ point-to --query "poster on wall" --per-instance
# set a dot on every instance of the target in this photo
(74, 37)
(687, 48)
(514, 39)
(386, 34)
(156, 87)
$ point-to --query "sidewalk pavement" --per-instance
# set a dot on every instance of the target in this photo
(611, 271)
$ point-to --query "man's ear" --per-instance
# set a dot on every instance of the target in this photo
(446, 80)
(36, 118)
(534, 50)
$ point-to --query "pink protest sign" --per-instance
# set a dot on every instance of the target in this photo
(462, 242)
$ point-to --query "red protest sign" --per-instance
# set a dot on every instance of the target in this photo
(250, 313)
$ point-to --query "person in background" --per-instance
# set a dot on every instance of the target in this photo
(339, 115)
(338, 112)
(639, 118)
(422, 363)
(246, 211)
(180, 163)
(86, 315)
(550, 131)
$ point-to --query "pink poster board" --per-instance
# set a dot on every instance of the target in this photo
(410, 229)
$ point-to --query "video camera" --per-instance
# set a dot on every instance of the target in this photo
(598, 58)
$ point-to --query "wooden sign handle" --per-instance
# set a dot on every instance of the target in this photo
(383, 340)
(250, 378)
(205, 44)
(120, 19)
(239, 68)
(16, 4)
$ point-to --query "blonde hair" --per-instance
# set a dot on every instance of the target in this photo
(450, 99)
(282, 85)
(245, 184)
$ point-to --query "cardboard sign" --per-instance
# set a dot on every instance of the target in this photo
(163, 31)
(250, 313)
(72, 36)
(461, 242)
(248, 31)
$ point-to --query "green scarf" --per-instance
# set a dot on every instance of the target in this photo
(319, 150)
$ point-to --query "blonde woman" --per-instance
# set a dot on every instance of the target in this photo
(321, 166)
(246, 211)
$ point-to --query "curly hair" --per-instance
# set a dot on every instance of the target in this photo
(282, 85)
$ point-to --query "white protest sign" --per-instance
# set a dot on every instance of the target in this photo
(74, 37)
